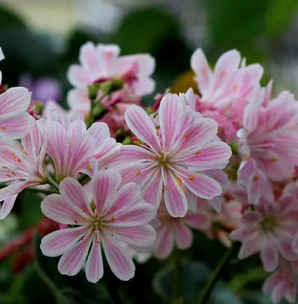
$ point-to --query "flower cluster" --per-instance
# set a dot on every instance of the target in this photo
(119, 179)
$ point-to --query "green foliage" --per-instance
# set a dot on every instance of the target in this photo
(28, 206)
(68, 290)
(9, 19)
(234, 23)
(279, 15)
(145, 30)
(191, 279)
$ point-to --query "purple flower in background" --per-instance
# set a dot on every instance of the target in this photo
(43, 89)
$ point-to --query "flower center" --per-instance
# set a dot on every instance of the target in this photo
(268, 224)
(97, 223)
(164, 159)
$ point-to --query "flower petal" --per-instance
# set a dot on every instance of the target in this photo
(200, 66)
(14, 100)
(142, 126)
(79, 76)
(183, 235)
(198, 221)
(164, 243)
(94, 264)
(72, 261)
(248, 248)
(104, 184)
(128, 196)
(99, 131)
(60, 241)
(201, 185)
(120, 262)
(269, 257)
(140, 236)
(7, 206)
(174, 196)
(152, 188)
(140, 214)
(16, 124)
(213, 156)
(73, 191)
(56, 208)
(170, 117)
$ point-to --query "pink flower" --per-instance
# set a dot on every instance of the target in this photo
(53, 111)
(100, 63)
(269, 228)
(114, 218)
(171, 230)
(172, 165)
(230, 86)
(21, 166)
(72, 147)
(15, 122)
(255, 182)
(227, 125)
(283, 282)
(269, 139)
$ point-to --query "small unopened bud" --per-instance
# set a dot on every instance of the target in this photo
(38, 108)
(127, 141)
(3, 88)
(111, 86)
(149, 110)
(93, 90)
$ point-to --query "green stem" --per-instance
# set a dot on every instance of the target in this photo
(60, 298)
(95, 109)
(44, 191)
(177, 293)
(53, 183)
(254, 275)
(114, 294)
(204, 297)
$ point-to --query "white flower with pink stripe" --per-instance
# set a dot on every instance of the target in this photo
(112, 219)
(170, 163)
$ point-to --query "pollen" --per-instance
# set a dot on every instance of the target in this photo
(139, 173)
(255, 178)
(165, 188)
(92, 206)
(223, 74)
(191, 178)
(197, 153)
(273, 159)
(179, 182)
(246, 157)
(89, 166)
(3, 128)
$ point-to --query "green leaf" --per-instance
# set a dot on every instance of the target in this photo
(253, 275)
(221, 294)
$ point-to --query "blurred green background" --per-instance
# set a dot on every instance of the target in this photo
(42, 38)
